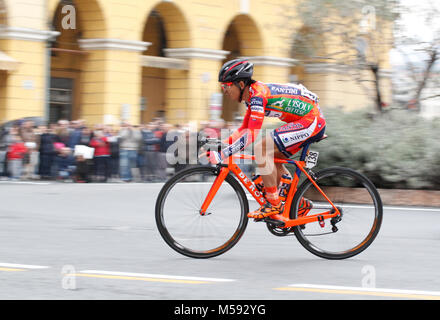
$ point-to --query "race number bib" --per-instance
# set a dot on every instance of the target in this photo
(312, 159)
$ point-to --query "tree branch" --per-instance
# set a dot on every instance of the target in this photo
(431, 97)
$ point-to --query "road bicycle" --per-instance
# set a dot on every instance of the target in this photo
(201, 212)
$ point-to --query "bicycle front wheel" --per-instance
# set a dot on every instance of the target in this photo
(347, 234)
(188, 232)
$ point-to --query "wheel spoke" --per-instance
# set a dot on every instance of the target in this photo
(182, 225)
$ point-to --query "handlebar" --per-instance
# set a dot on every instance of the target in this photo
(212, 144)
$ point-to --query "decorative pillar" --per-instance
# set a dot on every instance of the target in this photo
(111, 80)
(189, 92)
(24, 91)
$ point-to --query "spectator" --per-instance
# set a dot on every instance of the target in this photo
(163, 149)
(75, 133)
(113, 139)
(184, 153)
(30, 160)
(140, 160)
(82, 170)
(3, 151)
(64, 160)
(86, 136)
(63, 132)
(82, 165)
(177, 157)
(150, 143)
(10, 137)
(117, 154)
(16, 153)
(47, 152)
(130, 139)
(101, 156)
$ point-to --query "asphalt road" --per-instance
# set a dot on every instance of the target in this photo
(99, 241)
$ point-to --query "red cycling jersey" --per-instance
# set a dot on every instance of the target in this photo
(288, 102)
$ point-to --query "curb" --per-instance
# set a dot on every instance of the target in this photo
(400, 197)
(390, 197)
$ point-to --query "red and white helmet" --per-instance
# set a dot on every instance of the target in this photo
(236, 70)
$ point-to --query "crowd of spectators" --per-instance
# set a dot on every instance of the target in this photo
(120, 154)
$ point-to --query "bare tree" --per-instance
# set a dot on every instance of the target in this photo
(421, 53)
(355, 35)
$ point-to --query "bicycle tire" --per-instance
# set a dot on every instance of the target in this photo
(169, 235)
(364, 189)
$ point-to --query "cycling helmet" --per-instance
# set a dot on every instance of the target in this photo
(236, 70)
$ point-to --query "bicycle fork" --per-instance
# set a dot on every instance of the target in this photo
(213, 191)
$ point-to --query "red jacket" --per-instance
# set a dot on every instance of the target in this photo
(101, 145)
(16, 151)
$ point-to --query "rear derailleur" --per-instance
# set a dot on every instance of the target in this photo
(335, 220)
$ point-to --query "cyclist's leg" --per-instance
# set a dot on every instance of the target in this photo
(278, 170)
(286, 140)
(281, 169)
(291, 137)
(264, 154)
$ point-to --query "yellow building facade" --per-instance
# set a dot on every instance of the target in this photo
(108, 61)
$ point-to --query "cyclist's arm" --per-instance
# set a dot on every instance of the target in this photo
(246, 134)
(237, 133)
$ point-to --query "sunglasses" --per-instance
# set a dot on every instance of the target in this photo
(226, 85)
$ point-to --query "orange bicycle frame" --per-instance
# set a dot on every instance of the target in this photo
(231, 166)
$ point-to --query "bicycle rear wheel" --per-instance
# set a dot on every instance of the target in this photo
(188, 232)
(349, 233)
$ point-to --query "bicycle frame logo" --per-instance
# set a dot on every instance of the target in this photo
(250, 186)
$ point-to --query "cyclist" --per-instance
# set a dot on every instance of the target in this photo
(291, 103)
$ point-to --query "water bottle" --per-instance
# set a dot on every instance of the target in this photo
(285, 182)
(258, 181)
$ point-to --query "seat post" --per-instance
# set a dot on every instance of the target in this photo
(302, 158)
(304, 152)
(321, 136)
(306, 146)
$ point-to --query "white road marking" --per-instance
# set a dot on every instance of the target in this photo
(22, 266)
(154, 276)
(412, 209)
(94, 184)
(25, 182)
(364, 291)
